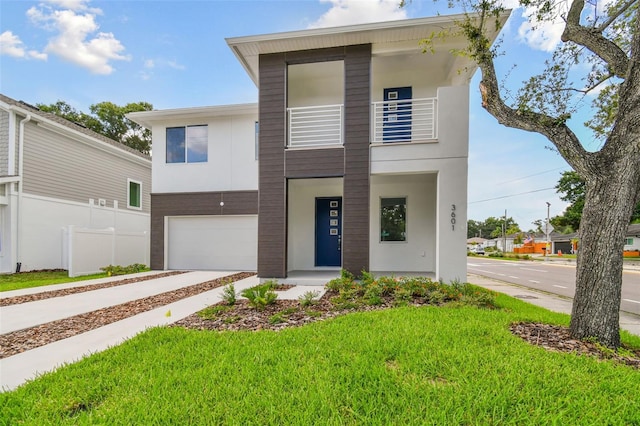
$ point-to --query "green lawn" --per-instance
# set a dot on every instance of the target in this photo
(428, 365)
(40, 278)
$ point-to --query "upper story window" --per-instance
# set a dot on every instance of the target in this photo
(187, 144)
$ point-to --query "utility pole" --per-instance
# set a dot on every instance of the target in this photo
(504, 232)
(546, 231)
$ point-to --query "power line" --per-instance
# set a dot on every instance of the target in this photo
(512, 195)
(526, 177)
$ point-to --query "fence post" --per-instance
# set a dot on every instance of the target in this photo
(70, 250)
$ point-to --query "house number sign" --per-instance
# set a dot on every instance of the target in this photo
(453, 217)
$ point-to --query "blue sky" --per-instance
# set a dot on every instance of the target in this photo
(173, 54)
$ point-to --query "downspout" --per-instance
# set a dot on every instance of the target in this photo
(20, 170)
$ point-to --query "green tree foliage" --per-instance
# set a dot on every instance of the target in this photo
(491, 227)
(572, 189)
(109, 120)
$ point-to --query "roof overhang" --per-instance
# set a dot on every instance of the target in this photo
(385, 37)
(149, 118)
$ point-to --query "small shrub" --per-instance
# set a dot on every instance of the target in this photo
(261, 295)
(212, 312)
(366, 278)
(289, 311)
(402, 296)
(436, 297)
(373, 295)
(112, 270)
(308, 298)
(229, 295)
(313, 313)
(232, 319)
(277, 318)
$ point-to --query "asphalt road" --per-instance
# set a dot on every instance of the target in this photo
(552, 278)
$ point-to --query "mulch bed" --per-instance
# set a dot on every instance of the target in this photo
(16, 300)
(556, 338)
(30, 338)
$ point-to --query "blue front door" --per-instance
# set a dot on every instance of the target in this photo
(329, 231)
(396, 119)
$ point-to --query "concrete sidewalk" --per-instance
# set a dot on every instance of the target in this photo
(552, 302)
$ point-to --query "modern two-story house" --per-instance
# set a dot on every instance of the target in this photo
(355, 157)
(69, 198)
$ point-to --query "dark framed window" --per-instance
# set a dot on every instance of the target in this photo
(189, 144)
(393, 219)
(134, 194)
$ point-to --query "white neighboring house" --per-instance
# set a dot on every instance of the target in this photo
(361, 160)
(632, 240)
(69, 197)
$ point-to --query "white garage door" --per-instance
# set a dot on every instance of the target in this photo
(213, 243)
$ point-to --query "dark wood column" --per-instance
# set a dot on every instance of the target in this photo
(272, 218)
(355, 225)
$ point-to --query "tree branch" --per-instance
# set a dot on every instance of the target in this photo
(592, 39)
(553, 128)
(615, 15)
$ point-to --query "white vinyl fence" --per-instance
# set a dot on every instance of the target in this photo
(87, 250)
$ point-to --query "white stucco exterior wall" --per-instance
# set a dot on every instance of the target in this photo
(231, 159)
(418, 253)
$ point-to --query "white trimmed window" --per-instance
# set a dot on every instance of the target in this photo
(393, 219)
(134, 194)
(189, 144)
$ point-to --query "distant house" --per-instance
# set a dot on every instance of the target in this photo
(632, 240)
(564, 242)
(359, 160)
(58, 178)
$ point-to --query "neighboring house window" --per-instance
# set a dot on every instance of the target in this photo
(187, 144)
(257, 139)
(134, 194)
(393, 219)
(629, 242)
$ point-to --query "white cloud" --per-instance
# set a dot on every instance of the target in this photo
(11, 45)
(543, 35)
(149, 63)
(349, 12)
(177, 66)
(77, 39)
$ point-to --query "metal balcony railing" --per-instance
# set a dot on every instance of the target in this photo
(315, 126)
(404, 120)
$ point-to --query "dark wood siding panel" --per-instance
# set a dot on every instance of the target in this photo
(315, 55)
(355, 256)
(194, 204)
(310, 163)
(272, 227)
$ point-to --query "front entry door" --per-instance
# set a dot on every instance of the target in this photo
(329, 231)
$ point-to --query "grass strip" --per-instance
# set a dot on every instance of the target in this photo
(43, 334)
(32, 279)
(16, 300)
(428, 365)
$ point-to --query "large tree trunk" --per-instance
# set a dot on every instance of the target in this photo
(608, 206)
